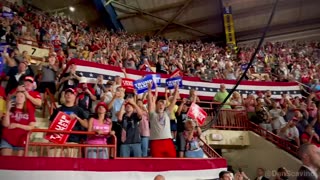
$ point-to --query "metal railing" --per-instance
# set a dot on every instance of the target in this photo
(75, 150)
(230, 119)
(208, 150)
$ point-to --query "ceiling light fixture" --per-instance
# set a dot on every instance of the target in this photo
(72, 9)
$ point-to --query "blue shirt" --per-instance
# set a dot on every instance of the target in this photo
(116, 108)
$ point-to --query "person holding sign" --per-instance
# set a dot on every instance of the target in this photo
(192, 134)
(75, 112)
(102, 125)
(161, 143)
(17, 122)
(173, 119)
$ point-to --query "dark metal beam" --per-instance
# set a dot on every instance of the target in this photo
(262, 9)
(193, 22)
(163, 19)
(276, 29)
(152, 10)
(186, 4)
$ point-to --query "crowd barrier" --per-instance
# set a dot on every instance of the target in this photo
(230, 119)
(74, 150)
(280, 142)
(208, 150)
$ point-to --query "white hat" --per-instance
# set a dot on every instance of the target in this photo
(83, 80)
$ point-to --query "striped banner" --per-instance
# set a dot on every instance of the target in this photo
(39, 168)
(205, 90)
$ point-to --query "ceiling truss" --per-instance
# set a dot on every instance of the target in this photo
(168, 22)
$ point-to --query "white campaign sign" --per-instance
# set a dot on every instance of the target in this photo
(33, 51)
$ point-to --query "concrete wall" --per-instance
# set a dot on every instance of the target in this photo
(228, 138)
(260, 153)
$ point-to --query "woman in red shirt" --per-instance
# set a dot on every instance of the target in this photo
(17, 122)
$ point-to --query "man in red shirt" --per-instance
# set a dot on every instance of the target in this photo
(33, 97)
(56, 43)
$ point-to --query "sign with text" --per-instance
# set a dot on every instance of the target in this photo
(197, 113)
(127, 83)
(33, 51)
(172, 82)
(141, 85)
(62, 122)
(156, 78)
(8, 15)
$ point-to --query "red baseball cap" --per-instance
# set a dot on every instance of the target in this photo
(29, 78)
(103, 104)
(70, 90)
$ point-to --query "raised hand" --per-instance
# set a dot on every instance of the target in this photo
(150, 85)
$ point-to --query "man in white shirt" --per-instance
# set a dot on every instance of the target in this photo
(310, 157)
(161, 144)
(290, 132)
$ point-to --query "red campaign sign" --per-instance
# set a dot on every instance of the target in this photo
(62, 122)
(196, 112)
(127, 83)
(176, 73)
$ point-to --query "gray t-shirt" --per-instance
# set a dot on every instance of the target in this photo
(159, 126)
(48, 74)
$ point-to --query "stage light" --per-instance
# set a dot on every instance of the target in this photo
(72, 9)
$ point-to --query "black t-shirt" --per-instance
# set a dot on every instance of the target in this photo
(84, 101)
(131, 126)
(77, 127)
(160, 69)
(180, 121)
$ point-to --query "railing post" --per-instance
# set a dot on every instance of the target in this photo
(45, 101)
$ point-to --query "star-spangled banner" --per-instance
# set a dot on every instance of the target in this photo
(205, 90)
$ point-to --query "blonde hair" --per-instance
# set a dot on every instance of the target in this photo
(189, 122)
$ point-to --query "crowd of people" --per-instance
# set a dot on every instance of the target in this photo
(140, 121)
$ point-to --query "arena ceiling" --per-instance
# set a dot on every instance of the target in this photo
(194, 19)
(85, 10)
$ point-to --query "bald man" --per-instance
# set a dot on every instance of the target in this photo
(159, 177)
(221, 95)
(310, 157)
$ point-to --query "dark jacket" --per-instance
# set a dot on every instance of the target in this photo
(305, 174)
